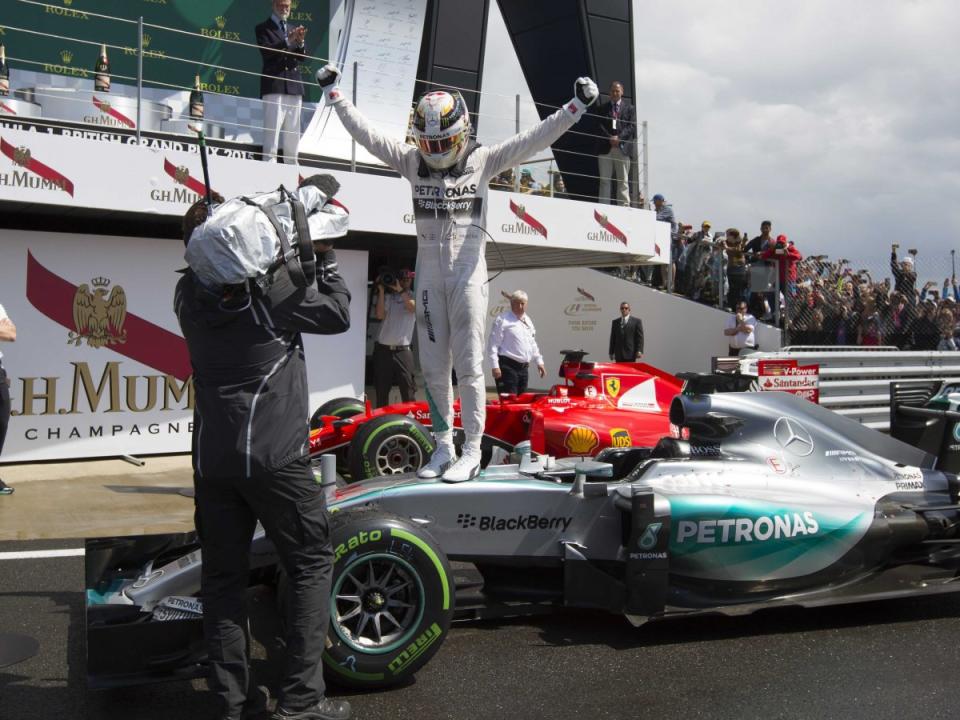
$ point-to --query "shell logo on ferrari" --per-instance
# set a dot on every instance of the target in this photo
(581, 440)
(620, 438)
(612, 386)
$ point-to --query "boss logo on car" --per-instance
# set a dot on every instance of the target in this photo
(705, 450)
(492, 523)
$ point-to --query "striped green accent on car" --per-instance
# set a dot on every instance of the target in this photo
(428, 551)
(747, 539)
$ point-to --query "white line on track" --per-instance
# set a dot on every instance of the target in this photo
(34, 554)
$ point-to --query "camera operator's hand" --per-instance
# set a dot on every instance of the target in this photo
(326, 263)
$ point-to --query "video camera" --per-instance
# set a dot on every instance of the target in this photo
(245, 240)
(388, 277)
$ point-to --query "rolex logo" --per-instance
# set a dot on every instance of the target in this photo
(68, 3)
(182, 174)
(66, 56)
(21, 156)
(294, 4)
(146, 40)
(221, 21)
(220, 75)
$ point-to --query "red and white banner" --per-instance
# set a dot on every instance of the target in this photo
(102, 170)
(99, 368)
(788, 376)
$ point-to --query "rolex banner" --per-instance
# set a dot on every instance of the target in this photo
(99, 368)
(214, 38)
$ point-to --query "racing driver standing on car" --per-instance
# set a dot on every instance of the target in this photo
(250, 463)
(449, 172)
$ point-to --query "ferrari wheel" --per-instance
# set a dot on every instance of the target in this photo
(391, 599)
(342, 407)
(389, 445)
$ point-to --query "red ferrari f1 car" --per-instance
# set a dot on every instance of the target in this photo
(598, 405)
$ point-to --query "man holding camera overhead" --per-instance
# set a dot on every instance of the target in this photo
(392, 358)
(251, 463)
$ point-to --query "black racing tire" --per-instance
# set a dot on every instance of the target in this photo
(380, 561)
(389, 445)
(342, 407)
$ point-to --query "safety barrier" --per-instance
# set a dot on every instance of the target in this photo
(854, 381)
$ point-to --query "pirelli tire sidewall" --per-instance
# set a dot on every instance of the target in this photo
(363, 537)
(410, 441)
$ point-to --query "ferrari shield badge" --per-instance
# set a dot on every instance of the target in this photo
(612, 385)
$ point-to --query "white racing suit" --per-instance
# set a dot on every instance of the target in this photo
(451, 271)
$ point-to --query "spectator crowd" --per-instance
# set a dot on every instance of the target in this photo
(820, 301)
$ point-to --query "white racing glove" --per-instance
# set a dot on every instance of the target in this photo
(328, 78)
(585, 93)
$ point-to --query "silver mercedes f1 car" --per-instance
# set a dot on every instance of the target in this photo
(757, 500)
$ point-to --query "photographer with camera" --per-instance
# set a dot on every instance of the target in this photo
(250, 463)
(392, 358)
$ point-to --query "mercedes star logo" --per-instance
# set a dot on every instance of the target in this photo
(793, 437)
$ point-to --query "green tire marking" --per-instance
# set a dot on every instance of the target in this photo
(366, 445)
(404, 535)
(336, 667)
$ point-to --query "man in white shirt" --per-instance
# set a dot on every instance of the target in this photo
(8, 333)
(512, 346)
(740, 330)
(392, 357)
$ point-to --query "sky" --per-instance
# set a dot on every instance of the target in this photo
(839, 121)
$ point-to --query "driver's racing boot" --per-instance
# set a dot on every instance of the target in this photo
(441, 459)
(468, 466)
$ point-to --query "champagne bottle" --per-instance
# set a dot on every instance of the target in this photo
(101, 77)
(4, 73)
(196, 100)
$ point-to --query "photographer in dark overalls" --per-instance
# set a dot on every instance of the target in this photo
(392, 357)
(250, 464)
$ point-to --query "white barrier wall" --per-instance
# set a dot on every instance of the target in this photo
(574, 308)
(126, 392)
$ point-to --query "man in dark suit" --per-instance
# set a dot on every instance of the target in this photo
(626, 336)
(618, 130)
(283, 50)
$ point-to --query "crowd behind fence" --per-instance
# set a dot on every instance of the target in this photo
(910, 302)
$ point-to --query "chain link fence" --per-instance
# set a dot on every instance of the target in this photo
(906, 301)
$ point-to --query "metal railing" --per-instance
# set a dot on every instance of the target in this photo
(141, 84)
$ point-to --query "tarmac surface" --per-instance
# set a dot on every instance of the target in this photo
(894, 659)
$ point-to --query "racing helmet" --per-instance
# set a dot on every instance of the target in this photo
(441, 128)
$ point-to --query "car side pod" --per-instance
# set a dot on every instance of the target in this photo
(648, 558)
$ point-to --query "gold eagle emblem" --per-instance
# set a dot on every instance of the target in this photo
(21, 156)
(97, 317)
(181, 174)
